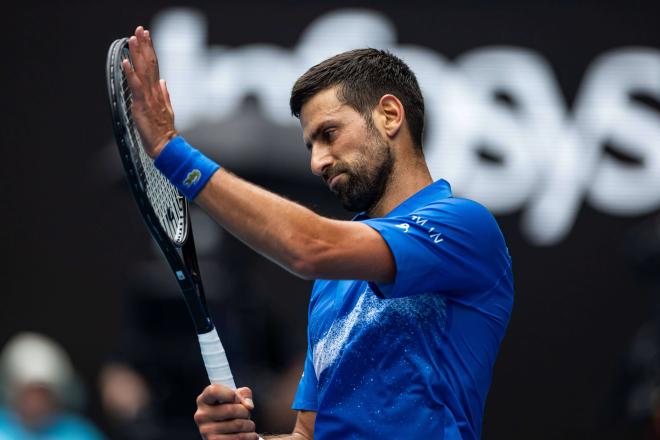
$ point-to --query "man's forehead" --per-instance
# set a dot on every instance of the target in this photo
(323, 105)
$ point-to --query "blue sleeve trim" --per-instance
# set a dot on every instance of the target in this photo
(304, 406)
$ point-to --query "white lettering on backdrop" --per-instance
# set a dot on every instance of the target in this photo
(544, 157)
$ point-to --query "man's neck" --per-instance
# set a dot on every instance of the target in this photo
(406, 179)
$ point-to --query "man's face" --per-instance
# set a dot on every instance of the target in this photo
(351, 155)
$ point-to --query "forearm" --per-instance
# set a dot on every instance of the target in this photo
(281, 230)
(296, 238)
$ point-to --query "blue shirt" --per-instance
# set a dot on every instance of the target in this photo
(412, 359)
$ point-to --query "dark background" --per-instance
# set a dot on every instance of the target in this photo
(73, 241)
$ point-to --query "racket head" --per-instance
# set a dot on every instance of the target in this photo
(163, 207)
(165, 212)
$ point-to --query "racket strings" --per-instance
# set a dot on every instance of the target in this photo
(163, 196)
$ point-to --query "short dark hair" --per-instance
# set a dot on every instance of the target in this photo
(363, 77)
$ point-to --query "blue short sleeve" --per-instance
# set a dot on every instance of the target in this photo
(452, 246)
(306, 398)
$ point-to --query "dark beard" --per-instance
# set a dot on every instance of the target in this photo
(365, 183)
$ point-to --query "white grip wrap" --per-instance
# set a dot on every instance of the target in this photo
(215, 359)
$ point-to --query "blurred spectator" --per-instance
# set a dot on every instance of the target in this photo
(38, 384)
(124, 392)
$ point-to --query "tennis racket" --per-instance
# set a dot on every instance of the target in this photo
(165, 211)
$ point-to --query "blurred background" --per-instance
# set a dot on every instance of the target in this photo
(546, 112)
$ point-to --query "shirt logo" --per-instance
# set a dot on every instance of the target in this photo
(192, 178)
(433, 234)
(404, 226)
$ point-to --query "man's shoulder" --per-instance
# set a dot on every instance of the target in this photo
(458, 208)
(466, 220)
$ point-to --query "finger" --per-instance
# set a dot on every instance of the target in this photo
(245, 397)
(142, 66)
(134, 82)
(215, 394)
(148, 61)
(227, 427)
(166, 96)
(139, 35)
(220, 413)
(150, 53)
(126, 67)
(136, 55)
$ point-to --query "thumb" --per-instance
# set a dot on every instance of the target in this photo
(244, 396)
(166, 96)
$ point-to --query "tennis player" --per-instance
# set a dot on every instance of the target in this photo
(412, 297)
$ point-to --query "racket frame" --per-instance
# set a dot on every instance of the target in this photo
(186, 271)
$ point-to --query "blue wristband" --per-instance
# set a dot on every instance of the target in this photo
(187, 168)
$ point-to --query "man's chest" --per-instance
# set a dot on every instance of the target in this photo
(348, 320)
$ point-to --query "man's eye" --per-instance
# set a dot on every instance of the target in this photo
(329, 134)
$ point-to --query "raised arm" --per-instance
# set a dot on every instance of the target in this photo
(309, 245)
(294, 237)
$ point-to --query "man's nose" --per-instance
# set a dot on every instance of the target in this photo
(321, 159)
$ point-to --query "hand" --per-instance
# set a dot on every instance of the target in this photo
(224, 414)
(151, 109)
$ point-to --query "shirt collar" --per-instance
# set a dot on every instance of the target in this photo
(440, 189)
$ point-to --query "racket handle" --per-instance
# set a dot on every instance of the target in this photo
(215, 359)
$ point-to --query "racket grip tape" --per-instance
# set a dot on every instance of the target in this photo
(215, 359)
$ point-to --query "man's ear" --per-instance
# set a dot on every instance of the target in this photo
(391, 114)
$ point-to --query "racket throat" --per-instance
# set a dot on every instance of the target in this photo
(197, 310)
